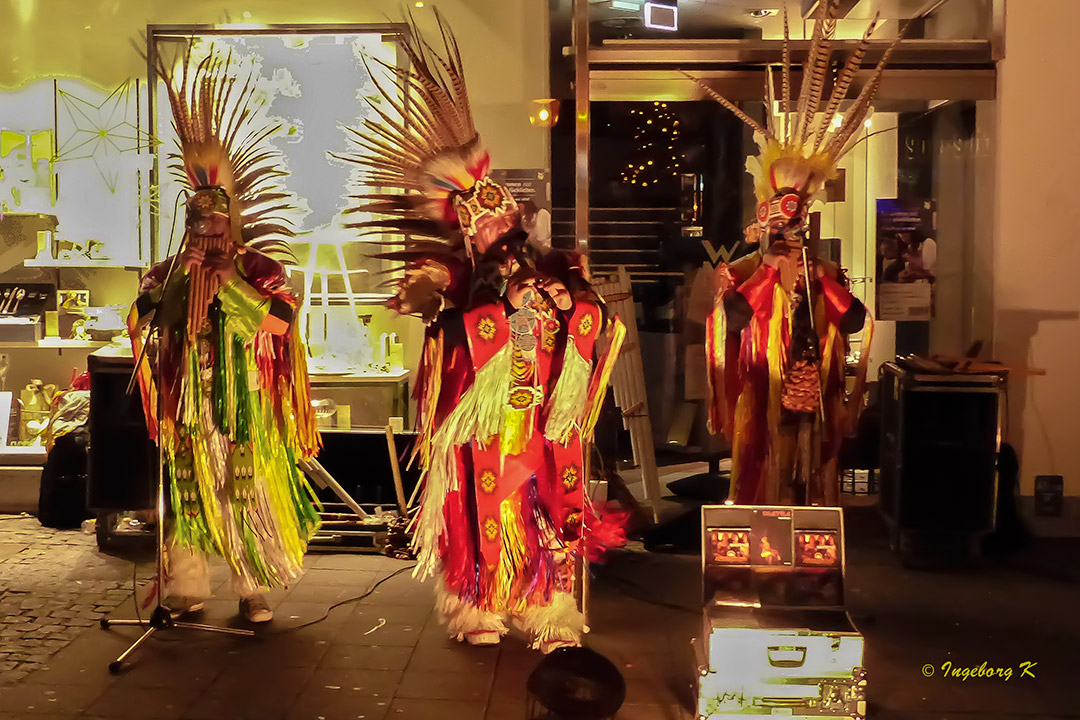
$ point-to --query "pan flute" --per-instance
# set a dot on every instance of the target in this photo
(203, 283)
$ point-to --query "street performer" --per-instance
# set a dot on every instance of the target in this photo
(231, 371)
(777, 336)
(517, 356)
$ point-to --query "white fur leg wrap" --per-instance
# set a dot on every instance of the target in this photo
(188, 573)
(462, 618)
(558, 622)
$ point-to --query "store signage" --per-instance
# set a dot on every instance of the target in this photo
(718, 253)
(906, 259)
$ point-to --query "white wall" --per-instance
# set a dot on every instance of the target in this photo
(1037, 254)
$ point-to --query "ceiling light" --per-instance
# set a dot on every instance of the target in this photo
(660, 16)
(631, 5)
(762, 13)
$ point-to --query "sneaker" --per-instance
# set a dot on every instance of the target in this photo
(483, 637)
(182, 605)
(255, 609)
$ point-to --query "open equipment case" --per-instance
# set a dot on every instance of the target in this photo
(777, 641)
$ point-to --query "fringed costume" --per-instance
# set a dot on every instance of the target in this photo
(517, 357)
(232, 369)
(776, 370)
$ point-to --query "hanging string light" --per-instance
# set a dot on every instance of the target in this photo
(650, 163)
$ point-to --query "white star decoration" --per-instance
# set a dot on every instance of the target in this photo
(101, 132)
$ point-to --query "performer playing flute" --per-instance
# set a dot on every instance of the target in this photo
(777, 336)
(231, 370)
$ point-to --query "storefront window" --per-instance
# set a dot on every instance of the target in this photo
(300, 77)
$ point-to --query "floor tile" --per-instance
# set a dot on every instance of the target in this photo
(280, 652)
(408, 614)
(172, 664)
(441, 685)
(241, 692)
(86, 660)
(456, 657)
(325, 593)
(121, 702)
(360, 630)
(358, 581)
(343, 704)
(374, 682)
(359, 561)
(309, 620)
(410, 709)
(29, 698)
(375, 657)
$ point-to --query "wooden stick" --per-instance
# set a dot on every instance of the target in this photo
(395, 469)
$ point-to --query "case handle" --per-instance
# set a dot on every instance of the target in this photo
(786, 656)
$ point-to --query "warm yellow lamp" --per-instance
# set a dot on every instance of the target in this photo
(545, 112)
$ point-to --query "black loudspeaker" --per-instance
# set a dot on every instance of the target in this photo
(122, 463)
(939, 447)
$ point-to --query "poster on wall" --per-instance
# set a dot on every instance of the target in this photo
(906, 259)
(532, 191)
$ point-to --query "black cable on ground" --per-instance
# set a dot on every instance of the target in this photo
(346, 601)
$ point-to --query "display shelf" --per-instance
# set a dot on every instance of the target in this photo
(57, 344)
(85, 264)
(22, 454)
(396, 375)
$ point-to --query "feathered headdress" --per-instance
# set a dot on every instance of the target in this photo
(423, 155)
(800, 149)
(224, 147)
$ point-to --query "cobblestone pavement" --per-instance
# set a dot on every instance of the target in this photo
(54, 584)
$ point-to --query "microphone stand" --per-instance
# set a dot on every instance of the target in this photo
(160, 618)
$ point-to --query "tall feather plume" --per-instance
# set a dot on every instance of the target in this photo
(786, 90)
(807, 164)
(843, 82)
(771, 119)
(216, 127)
(854, 118)
(417, 151)
(732, 107)
(814, 70)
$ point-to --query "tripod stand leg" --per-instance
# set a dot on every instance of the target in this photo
(214, 628)
(106, 623)
(118, 663)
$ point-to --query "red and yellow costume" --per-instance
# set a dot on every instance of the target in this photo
(517, 356)
(776, 339)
